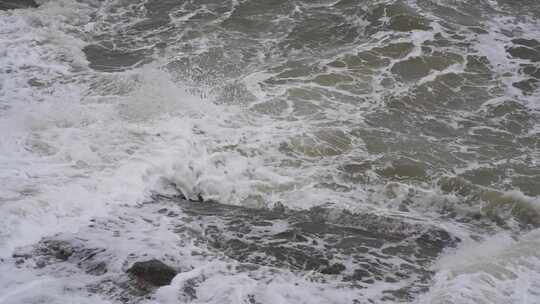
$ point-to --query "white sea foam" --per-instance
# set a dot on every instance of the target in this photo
(501, 269)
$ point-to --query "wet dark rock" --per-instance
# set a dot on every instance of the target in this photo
(51, 251)
(279, 207)
(329, 244)
(323, 240)
(107, 59)
(97, 269)
(15, 4)
(153, 272)
(433, 242)
(59, 249)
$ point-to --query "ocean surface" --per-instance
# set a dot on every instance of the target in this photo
(272, 151)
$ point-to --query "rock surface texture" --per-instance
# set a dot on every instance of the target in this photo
(153, 272)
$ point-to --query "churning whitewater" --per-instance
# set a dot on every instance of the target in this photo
(270, 151)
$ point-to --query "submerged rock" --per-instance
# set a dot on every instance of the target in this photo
(14, 4)
(54, 250)
(109, 59)
(153, 272)
(326, 243)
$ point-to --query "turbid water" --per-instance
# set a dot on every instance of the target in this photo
(271, 151)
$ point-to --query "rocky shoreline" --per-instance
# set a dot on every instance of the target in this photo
(328, 245)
